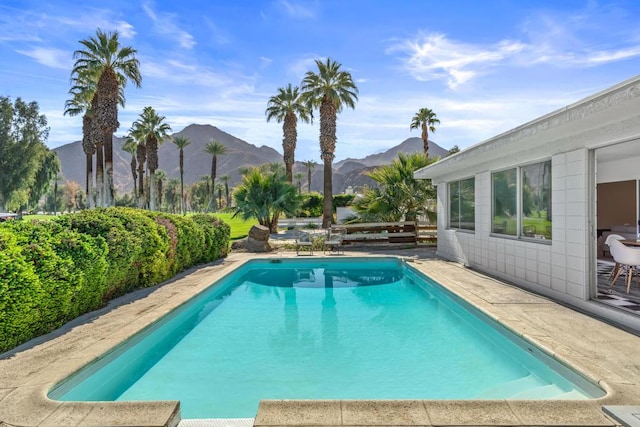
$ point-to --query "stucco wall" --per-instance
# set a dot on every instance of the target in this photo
(559, 268)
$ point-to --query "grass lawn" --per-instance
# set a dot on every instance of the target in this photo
(239, 227)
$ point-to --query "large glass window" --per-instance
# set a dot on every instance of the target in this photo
(462, 204)
(505, 195)
(522, 201)
(536, 200)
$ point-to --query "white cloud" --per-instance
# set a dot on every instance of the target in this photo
(165, 25)
(54, 58)
(298, 10)
(300, 67)
(434, 56)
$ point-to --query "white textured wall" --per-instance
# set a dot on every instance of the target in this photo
(558, 268)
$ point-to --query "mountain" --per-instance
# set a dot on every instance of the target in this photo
(348, 172)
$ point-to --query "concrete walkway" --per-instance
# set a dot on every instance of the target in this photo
(609, 356)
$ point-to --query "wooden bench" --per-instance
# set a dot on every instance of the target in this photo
(380, 232)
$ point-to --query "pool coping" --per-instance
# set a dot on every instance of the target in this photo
(598, 350)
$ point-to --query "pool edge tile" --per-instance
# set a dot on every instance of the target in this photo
(384, 412)
(299, 413)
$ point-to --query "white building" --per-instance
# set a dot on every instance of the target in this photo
(523, 206)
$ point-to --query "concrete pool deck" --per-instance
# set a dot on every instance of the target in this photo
(606, 354)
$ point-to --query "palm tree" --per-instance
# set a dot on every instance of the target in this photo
(287, 107)
(131, 146)
(265, 196)
(111, 66)
(225, 179)
(181, 142)
(151, 128)
(398, 195)
(329, 90)
(216, 149)
(309, 164)
(161, 177)
(298, 176)
(426, 119)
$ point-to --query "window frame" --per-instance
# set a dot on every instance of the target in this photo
(519, 202)
(459, 210)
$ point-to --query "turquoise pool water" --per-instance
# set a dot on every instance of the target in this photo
(322, 329)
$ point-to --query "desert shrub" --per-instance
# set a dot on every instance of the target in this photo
(342, 200)
(311, 205)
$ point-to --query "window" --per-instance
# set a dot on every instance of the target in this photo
(522, 201)
(504, 187)
(462, 205)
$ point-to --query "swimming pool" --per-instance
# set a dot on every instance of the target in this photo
(322, 329)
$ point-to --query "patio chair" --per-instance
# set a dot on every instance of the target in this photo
(303, 243)
(629, 260)
(333, 243)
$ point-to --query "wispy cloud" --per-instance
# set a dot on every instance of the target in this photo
(434, 56)
(164, 23)
(299, 67)
(54, 58)
(298, 9)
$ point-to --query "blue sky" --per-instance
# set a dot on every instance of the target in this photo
(483, 66)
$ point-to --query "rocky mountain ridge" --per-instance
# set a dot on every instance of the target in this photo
(348, 172)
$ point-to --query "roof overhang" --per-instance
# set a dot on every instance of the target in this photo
(608, 116)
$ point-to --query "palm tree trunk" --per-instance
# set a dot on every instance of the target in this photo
(327, 205)
(309, 180)
(89, 181)
(152, 190)
(214, 166)
(182, 182)
(108, 166)
(425, 139)
(99, 176)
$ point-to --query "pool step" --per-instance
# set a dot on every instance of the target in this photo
(529, 387)
(510, 388)
(218, 422)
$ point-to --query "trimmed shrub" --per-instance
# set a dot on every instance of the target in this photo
(54, 271)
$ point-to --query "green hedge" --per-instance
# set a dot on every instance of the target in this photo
(54, 271)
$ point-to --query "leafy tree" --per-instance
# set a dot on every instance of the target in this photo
(287, 108)
(200, 193)
(103, 61)
(265, 196)
(427, 120)
(330, 90)
(172, 197)
(48, 170)
(399, 195)
(23, 153)
(309, 164)
(216, 149)
(151, 128)
(453, 150)
(181, 142)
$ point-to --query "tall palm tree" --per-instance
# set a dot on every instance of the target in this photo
(287, 107)
(298, 176)
(426, 119)
(330, 90)
(225, 179)
(111, 66)
(151, 128)
(309, 164)
(181, 142)
(131, 146)
(161, 178)
(216, 149)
